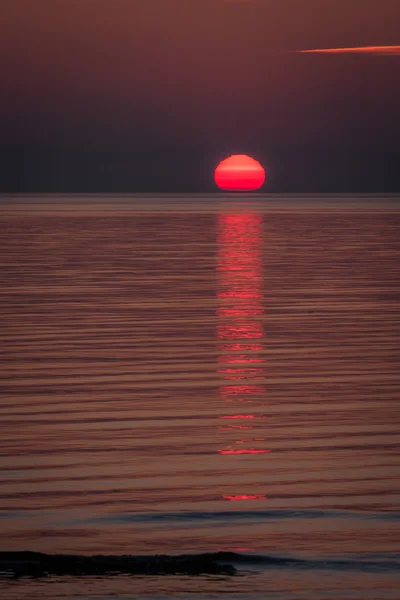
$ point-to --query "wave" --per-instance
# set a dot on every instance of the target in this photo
(376, 563)
(228, 516)
(37, 564)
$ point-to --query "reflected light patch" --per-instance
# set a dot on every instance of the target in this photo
(237, 417)
(239, 359)
(241, 294)
(242, 347)
(239, 312)
(229, 427)
(244, 451)
(239, 173)
(245, 497)
(241, 371)
(244, 331)
(241, 390)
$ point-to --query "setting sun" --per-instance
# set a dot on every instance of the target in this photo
(240, 173)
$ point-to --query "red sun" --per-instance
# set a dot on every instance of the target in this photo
(239, 173)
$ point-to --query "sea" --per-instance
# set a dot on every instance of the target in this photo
(202, 374)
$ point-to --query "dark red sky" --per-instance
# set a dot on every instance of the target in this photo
(217, 73)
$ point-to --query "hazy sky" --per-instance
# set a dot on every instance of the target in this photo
(220, 73)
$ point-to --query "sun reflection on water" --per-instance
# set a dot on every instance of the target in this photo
(241, 362)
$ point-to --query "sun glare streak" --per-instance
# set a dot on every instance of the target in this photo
(380, 50)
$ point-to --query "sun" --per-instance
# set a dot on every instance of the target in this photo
(239, 173)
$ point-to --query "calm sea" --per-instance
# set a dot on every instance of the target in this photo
(196, 374)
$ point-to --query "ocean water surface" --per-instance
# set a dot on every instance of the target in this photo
(202, 375)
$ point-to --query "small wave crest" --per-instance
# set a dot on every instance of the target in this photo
(229, 516)
(376, 563)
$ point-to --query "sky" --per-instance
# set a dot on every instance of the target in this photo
(148, 95)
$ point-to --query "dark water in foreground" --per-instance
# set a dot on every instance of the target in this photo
(201, 375)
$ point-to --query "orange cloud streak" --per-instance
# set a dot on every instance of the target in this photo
(357, 50)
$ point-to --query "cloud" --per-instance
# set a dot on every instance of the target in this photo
(378, 50)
